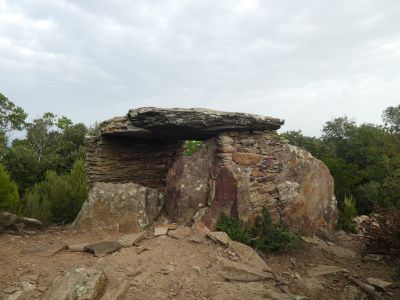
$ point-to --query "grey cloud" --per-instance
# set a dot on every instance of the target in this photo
(305, 61)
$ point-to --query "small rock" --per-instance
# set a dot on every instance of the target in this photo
(180, 233)
(311, 240)
(27, 286)
(197, 268)
(219, 237)
(133, 272)
(131, 239)
(11, 290)
(101, 249)
(42, 288)
(379, 283)
(77, 247)
(160, 230)
(171, 226)
(247, 255)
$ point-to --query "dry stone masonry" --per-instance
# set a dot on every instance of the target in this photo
(242, 167)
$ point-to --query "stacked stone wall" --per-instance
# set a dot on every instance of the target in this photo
(118, 159)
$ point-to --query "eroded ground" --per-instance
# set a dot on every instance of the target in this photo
(167, 268)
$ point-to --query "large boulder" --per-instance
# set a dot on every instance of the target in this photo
(306, 191)
(128, 207)
(241, 173)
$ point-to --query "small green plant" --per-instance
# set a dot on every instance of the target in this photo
(347, 213)
(190, 147)
(263, 234)
(236, 230)
(273, 238)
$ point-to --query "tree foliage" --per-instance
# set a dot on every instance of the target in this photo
(58, 198)
(9, 198)
(364, 160)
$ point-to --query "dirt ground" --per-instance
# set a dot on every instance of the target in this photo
(179, 269)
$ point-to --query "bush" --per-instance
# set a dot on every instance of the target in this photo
(263, 235)
(9, 197)
(236, 230)
(273, 238)
(347, 213)
(58, 198)
(190, 147)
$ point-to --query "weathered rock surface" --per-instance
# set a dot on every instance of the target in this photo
(16, 223)
(180, 233)
(124, 208)
(187, 184)
(379, 283)
(247, 255)
(259, 171)
(122, 126)
(306, 191)
(197, 123)
(78, 284)
(219, 237)
(128, 240)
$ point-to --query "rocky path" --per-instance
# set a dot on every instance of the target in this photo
(189, 265)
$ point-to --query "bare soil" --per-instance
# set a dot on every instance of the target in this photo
(167, 268)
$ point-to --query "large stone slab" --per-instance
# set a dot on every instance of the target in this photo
(118, 207)
(197, 123)
(122, 126)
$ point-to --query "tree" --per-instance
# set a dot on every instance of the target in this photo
(58, 198)
(391, 118)
(12, 117)
(9, 197)
(51, 143)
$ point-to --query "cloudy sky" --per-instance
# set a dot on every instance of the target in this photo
(304, 61)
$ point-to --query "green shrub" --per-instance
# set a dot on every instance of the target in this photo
(58, 198)
(9, 197)
(347, 213)
(273, 238)
(190, 147)
(236, 230)
(263, 234)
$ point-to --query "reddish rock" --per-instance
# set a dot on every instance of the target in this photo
(187, 184)
(225, 200)
(246, 159)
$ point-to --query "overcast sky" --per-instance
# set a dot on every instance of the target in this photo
(304, 61)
